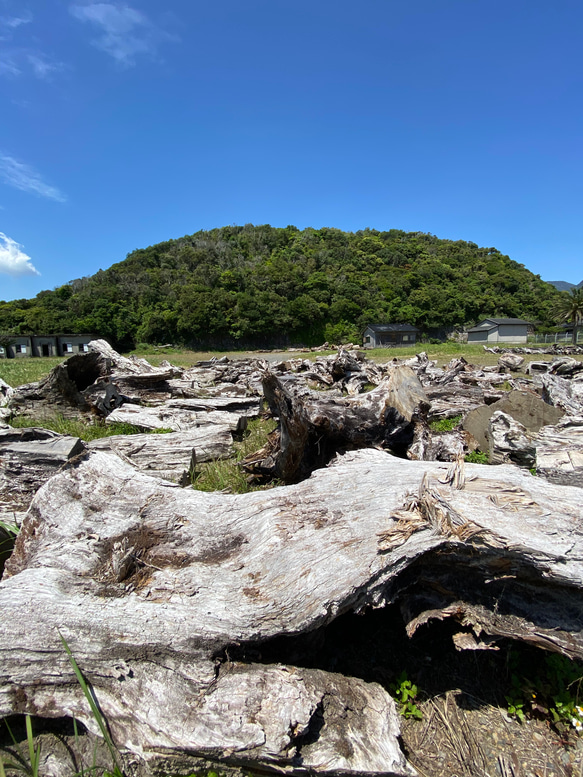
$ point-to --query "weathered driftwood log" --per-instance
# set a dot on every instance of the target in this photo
(509, 441)
(510, 362)
(455, 398)
(563, 393)
(537, 367)
(80, 381)
(249, 406)
(566, 366)
(170, 456)
(149, 584)
(526, 407)
(312, 427)
(177, 419)
(28, 458)
(559, 452)
(6, 393)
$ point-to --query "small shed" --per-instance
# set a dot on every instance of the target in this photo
(389, 335)
(499, 330)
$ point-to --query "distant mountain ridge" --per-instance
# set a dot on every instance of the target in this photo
(565, 285)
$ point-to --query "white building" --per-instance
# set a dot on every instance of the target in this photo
(499, 330)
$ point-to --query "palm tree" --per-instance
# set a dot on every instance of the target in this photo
(569, 309)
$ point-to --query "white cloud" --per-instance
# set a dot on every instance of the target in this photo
(26, 179)
(42, 66)
(8, 66)
(125, 32)
(12, 22)
(13, 260)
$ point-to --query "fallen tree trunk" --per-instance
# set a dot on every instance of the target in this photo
(175, 418)
(28, 458)
(150, 583)
(313, 427)
(170, 456)
(559, 452)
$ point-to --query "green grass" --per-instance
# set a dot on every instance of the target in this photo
(224, 474)
(477, 457)
(78, 428)
(17, 372)
(445, 424)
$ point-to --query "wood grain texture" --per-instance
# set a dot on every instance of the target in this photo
(149, 583)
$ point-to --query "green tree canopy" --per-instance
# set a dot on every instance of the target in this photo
(265, 286)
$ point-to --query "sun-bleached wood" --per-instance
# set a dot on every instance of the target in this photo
(149, 583)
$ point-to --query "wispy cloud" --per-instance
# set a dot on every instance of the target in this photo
(125, 31)
(17, 60)
(42, 66)
(21, 176)
(13, 260)
(12, 22)
(8, 66)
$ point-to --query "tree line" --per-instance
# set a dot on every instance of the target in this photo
(261, 286)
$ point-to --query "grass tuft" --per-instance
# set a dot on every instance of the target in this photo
(226, 474)
(445, 424)
(78, 428)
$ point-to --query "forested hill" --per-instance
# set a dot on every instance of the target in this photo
(264, 285)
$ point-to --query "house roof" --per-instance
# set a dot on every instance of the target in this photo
(507, 320)
(392, 328)
(492, 323)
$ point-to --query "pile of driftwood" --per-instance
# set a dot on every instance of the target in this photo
(156, 586)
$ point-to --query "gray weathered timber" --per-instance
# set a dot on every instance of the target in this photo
(559, 452)
(175, 418)
(80, 381)
(249, 406)
(510, 361)
(313, 425)
(563, 393)
(170, 456)
(526, 407)
(149, 583)
(509, 441)
(455, 398)
(28, 458)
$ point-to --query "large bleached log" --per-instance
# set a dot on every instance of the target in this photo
(313, 426)
(170, 456)
(6, 393)
(28, 458)
(150, 583)
(455, 398)
(175, 418)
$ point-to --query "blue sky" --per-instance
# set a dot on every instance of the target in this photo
(125, 124)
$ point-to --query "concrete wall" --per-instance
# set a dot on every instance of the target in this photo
(44, 346)
(505, 333)
(70, 344)
(20, 348)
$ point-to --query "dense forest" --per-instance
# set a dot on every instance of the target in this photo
(261, 286)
